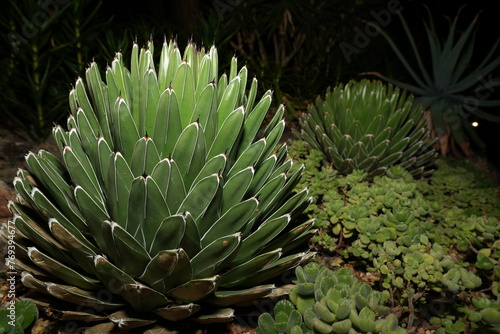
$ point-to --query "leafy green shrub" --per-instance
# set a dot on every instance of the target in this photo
(165, 200)
(326, 301)
(18, 320)
(369, 126)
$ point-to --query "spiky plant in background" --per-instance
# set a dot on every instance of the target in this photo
(449, 87)
(164, 200)
(369, 126)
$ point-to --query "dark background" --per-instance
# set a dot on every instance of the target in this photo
(116, 23)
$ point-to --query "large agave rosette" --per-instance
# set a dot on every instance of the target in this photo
(165, 199)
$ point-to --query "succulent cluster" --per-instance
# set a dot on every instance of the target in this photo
(326, 301)
(165, 198)
(389, 226)
(369, 126)
(462, 189)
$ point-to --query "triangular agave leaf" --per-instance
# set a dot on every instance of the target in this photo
(126, 322)
(195, 289)
(142, 298)
(347, 166)
(169, 234)
(24, 188)
(183, 85)
(228, 101)
(368, 163)
(168, 123)
(380, 149)
(161, 174)
(99, 95)
(400, 145)
(215, 165)
(272, 140)
(81, 297)
(262, 173)
(199, 197)
(283, 192)
(168, 269)
(111, 276)
(122, 78)
(82, 252)
(276, 268)
(45, 205)
(189, 152)
(268, 192)
(249, 157)
(60, 137)
(411, 151)
(233, 68)
(286, 239)
(390, 159)
(243, 74)
(205, 107)
(145, 157)
(277, 118)
(80, 168)
(125, 132)
(227, 133)
(251, 95)
(103, 160)
(235, 297)
(253, 122)
(87, 136)
(59, 189)
(43, 239)
(236, 187)
(119, 183)
(135, 77)
(163, 66)
(94, 214)
(137, 209)
(177, 312)
(191, 242)
(61, 271)
(403, 131)
(267, 231)
(232, 221)
(71, 123)
(216, 255)
(216, 315)
(82, 100)
(133, 257)
(294, 204)
(176, 191)
(156, 211)
(204, 75)
(239, 273)
(150, 94)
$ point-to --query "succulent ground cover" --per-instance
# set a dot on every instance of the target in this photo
(429, 242)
